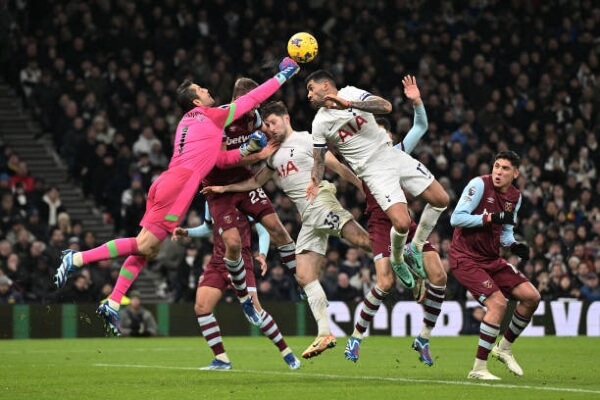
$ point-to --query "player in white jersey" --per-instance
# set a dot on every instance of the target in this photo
(345, 120)
(324, 216)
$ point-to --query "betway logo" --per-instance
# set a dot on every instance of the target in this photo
(236, 140)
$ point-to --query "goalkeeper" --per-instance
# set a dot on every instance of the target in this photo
(483, 220)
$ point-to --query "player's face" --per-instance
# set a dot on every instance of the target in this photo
(503, 174)
(277, 127)
(316, 93)
(203, 96)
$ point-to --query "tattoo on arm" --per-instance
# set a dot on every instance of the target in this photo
(375, 105)
(319, 166)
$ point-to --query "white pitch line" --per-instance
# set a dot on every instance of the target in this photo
(367, 378)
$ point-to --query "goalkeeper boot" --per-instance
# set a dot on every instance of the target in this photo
(110, 318)
(65, 269)
(482, 374)
(250, 312)
(291, 360)
(319, 345)
(506, 357)
(217, 364)
(414, 260)
(421, 345)
(403, 273)
(352, 349)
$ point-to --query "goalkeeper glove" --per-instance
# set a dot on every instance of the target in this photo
(287, 69)
(255, 143)
(521, 250)
(504, 217)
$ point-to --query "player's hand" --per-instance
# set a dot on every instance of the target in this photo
(262, 260)
(411, 90)
(504, 217)
(335, 102)
(256, 142)
(178, 233)
(312, 190)
(270, 149)
(287, 69)
(208, 190)
(521, 250)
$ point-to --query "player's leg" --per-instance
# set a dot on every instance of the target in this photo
(437, 200)
(269, 328)
(434, 297)
(207, 298)
(385, 281)
(529, 299)
(282, 240)
(400, 219)
(308, 266)
(470, 274)
(356, 235)
(131, 268)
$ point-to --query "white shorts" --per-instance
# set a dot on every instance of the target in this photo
(390, 172)
(323, 218)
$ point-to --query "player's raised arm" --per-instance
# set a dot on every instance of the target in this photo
(223, 116)
(420, 124)
(373, 104)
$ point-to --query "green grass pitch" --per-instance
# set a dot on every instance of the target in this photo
(167, 368)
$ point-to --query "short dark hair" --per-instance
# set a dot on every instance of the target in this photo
(274, 107)
(185, 96)
(511, 156)
(384, 122)
(242, 86)
(320, 75)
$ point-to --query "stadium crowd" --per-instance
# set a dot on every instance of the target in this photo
(99, 76)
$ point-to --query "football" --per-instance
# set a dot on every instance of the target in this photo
(303, 47)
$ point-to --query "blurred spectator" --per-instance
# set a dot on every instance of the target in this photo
(283, 284)
(344, 291)
(8, 295)
(78, 291)
(329, 278)
(590, 291)
(50, 206)
(22, 177)
(136, 321)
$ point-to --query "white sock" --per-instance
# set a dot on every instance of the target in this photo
(222, 357)
(398, 241)
(479, 364)
(427, 222)
(317, 301)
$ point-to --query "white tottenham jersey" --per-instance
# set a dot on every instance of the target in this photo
(293, 164)
(354, 132)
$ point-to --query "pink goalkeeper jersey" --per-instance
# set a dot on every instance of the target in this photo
(197, 149)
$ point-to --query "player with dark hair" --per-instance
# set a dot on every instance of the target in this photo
(216, 279)
(196, 151)
(431, 294)
(292, 164)
(345, 120)
(483, 222)
(254, 203)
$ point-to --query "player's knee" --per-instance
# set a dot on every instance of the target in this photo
(200, 308)
(386, 282)
(437, 276)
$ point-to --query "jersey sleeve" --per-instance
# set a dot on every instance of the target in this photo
(417, 131)
(264, 240)
(319, 132)
(202, 231)
(469, 199)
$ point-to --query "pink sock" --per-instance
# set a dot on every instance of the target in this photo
(129, 271)
(113, 249)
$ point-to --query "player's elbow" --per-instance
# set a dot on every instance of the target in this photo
(454, 220)
(387, 108)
